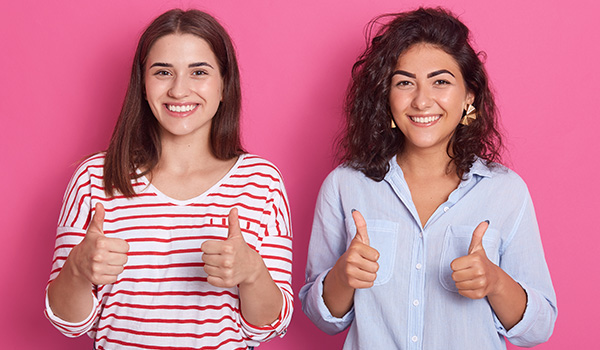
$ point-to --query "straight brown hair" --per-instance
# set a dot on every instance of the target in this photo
(135, 142)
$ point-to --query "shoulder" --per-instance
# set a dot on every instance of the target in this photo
(95, 161)
(503, 179)
(344, 176)
(91, 167)
(251, 165)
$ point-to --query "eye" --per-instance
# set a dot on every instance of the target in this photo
(403, 83)
(199, 72)
(162, 73)
(442, 82)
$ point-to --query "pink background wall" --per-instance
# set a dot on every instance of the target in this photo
(64, 72)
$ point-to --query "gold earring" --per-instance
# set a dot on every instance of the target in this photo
(393, 124)
(469, 115)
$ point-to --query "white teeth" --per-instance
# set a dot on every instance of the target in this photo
(180, 109)
(425, 120)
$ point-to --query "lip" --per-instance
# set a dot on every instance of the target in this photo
(425, 120)
(184, 112)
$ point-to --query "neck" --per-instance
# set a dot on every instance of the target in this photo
(185, 154)
(426, 163)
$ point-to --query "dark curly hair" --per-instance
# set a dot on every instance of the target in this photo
(368, 142)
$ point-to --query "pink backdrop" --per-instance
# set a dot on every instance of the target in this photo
(64, 72)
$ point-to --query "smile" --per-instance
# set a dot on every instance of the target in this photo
(425, 120)
(181, 108)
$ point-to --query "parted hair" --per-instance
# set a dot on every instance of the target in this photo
(135, 142)
(368, 142)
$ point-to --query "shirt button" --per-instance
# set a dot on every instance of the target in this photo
(421, 234)
(446, 209)
(414, 338)
(415, 302)
(418, 266)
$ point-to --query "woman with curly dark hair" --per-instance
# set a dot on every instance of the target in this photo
(448, 254)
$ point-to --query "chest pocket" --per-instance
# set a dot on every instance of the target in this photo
(383, 236)
(456, 244)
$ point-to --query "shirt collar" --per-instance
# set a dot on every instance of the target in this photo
(478, 168)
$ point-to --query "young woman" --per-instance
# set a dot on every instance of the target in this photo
(175, 237)
(447, 252)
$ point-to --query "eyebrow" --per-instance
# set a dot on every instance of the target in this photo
(432, 74)
(438, 72)
(403, 72)
(191, 65)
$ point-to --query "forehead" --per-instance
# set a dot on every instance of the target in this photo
(173, 48)
(426, 58)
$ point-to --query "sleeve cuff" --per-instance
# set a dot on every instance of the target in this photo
(531, 311)
(71, 329)
(314, 307)
(276, 328)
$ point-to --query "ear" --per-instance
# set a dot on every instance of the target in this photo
(470, 98)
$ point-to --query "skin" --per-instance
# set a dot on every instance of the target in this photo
(427, 98)
(181, 71)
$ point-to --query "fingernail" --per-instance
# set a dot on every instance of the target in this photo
(488, 221)
(353, 210)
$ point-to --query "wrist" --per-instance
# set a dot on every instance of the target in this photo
(257, 270)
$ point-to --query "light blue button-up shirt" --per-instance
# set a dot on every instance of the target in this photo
(414, 303)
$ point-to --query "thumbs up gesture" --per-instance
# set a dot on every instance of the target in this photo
(475, 276)
(358, 266)
(230, 262)
(98, 258)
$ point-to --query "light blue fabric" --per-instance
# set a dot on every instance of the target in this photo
(414, 303)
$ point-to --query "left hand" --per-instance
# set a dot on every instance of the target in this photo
(475, 276)
(230, 262)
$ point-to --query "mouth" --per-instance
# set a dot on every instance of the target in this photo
(424, 119)
(181, 108)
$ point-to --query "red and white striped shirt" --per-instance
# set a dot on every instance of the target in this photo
(162, 299)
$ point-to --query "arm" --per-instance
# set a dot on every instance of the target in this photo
(356, 268)
(328, 242)
(233, 263)
(519, 290)
(263, 276)
(96, 260)
(71, 304)
(477, 277)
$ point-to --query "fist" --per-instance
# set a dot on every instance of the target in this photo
(98, 258)
(358, 266)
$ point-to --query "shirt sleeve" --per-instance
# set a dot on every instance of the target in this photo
(276, 252)
(73, 221)
(522, 257)
(328, 242)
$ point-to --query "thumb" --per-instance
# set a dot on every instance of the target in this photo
(97, 223)
(477, 240)
(234, 224)
(361, 227)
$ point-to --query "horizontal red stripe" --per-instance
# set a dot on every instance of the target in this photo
(168, 321)
(175, 293)
(158, 347)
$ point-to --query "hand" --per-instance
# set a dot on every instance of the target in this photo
(474, 274)
(230, 262)
(357, 267)
(97, 258)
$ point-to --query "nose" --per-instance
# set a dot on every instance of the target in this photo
(422, 98)
(179, 87)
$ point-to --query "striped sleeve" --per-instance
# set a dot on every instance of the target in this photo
(276, 251)
(72, 224)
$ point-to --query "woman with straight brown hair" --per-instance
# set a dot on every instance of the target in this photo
(175, 237)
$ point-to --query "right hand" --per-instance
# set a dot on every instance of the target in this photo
(357, 267)
(98, 258)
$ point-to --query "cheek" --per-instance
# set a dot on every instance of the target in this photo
(398, 101)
